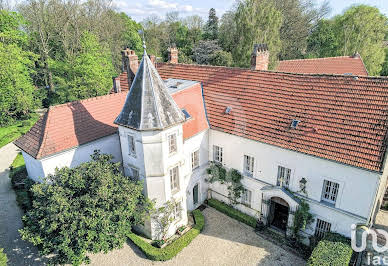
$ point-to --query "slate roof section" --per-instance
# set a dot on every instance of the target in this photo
(330, 65)
(149, 105)
(342, 118)
(69, 125)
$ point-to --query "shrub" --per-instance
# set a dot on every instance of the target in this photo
(3, 258)
(231, 212)
(333, 250)
(167, 253)
(89, 208)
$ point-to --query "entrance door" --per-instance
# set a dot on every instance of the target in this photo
(195, 194)
(280, 214)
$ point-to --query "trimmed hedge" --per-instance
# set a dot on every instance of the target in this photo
(334, 249)
(3, 258)
(167, 253)
(232, 212)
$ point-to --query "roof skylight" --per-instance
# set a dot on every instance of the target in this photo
(187, 115)
(294, 123)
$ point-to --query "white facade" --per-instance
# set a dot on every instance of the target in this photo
(37, 169)
(357, 190)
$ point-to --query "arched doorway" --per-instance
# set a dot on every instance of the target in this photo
(278, 213)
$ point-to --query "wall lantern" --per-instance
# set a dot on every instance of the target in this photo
(302, 184)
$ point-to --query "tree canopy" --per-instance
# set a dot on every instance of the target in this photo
(89, 208)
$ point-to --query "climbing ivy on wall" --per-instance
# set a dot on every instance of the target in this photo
(230, 177)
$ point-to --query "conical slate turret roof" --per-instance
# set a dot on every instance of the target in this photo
(148, 105)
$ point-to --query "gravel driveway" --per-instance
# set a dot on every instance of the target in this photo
(19, 252)
(224, 241)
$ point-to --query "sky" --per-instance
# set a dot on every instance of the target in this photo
(140, 9)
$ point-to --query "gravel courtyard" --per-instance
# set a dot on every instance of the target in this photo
(224, 241)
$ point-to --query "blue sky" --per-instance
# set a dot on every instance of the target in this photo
(141, 9)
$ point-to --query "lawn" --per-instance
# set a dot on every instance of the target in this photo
(18, 128)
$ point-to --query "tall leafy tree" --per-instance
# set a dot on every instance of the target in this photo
(16, 88)
(362, 29)
(211, 28)
(256, 22)
(89, 208)
(90, 74)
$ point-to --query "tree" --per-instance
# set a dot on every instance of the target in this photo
(256, 22)
(362, 29)
(384, 67)
(204, 50)
(16, 88)
(302, 219)
(89, 75)
(221, 58)
(90, 208)
(211, 28)
(299, 17)
(227, 35)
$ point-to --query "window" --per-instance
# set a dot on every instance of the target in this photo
(174, 178)
(178, 211)
(284, 175)
(172, 143)
(330, 191)
(195, 160)
(134, 173)
(217, 154)
(131, 145)
(246, 197)
(322, 228)
(248, 165)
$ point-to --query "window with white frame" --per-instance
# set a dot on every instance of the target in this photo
(172, 146)
(246, 197)
(330, 191)
(174, 178)
(217, 154)
(131, 145)
(195, 160)
(134, 172)
(248, 165)
(284, 175)
(178, 211)
(321, 228)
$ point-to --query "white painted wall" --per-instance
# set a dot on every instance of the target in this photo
(198, 142)
(357, 186)
(73, 157)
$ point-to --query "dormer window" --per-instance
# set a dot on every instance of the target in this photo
(172, 145)
(294, 123)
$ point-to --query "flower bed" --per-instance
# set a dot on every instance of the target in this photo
(170, 251)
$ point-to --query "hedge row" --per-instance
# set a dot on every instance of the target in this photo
(3, 258)
(167, 253)
(232, 212)
(333, 250)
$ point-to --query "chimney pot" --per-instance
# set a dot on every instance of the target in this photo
(260, 57)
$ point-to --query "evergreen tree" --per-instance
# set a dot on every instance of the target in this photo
(211, 28)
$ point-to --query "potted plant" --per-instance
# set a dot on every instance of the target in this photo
(181, 230)
(159, 243)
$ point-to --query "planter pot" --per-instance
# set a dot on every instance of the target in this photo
(260, 226)
(184, 231)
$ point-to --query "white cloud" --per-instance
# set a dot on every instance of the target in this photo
(141, 10)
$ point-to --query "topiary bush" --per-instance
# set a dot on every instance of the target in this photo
(167, 253)
(3, 258)
(232, 212)
(333, 250)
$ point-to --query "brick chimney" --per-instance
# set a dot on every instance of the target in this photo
(116, 85)
(173, 55)
(130, 64)
(260, 57)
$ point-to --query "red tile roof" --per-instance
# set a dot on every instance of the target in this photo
(72, 124)
(329, 65)
(342, 118)
(191, 99)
